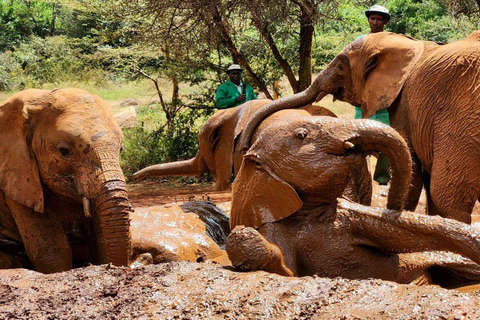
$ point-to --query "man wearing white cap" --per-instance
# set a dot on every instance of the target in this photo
(234, 92)
(378, 17)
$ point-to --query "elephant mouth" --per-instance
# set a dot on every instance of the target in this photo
(339, 93)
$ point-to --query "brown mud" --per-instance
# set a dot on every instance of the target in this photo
(188, 290)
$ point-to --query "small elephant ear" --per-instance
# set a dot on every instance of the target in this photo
(19, 176)
(385, 64)
(247, 111)
(259, 197)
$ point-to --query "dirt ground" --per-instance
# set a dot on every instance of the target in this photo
(186, 290)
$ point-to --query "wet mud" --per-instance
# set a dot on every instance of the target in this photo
(186, 290)
(190, 290)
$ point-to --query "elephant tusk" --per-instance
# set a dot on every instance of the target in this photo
(348, 145)
(86, 207)
(320, 96)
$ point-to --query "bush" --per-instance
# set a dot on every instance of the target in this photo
(172, 142)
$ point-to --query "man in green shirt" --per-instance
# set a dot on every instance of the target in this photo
(378, 16)
(234, 92)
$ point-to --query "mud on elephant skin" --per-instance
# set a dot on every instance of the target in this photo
(62, 192)
(188, 232)
(430, 92)
(216, 145)
(288, 220)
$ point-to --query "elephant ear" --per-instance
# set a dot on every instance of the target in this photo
(383, 65)
(246, 112)
(260, 197)
(19, 176)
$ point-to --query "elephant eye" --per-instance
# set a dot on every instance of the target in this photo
(64, 149)
(301, 134)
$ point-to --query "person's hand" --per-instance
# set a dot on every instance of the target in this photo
(240, 98)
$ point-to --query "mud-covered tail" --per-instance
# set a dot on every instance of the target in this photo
(370, 135)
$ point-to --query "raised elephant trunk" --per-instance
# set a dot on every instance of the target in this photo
(374, 136)
(191, 167)
(111, 225)
(315, 92)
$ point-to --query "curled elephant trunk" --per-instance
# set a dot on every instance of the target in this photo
(111, 241)
(371, 136)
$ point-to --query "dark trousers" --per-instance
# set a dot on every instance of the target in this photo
(382, 172)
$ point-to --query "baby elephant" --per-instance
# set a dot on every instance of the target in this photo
(287, 217)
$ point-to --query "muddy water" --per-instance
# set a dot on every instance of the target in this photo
(188, 290)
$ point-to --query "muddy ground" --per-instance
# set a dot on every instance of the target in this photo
(185, 290)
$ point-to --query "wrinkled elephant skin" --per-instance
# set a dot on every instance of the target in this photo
(62, 192)
(287, 219)
(431, 93)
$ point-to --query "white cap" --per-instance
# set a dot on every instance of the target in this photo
(234, 67)
(378, 10)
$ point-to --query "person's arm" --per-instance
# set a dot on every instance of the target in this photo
(221, 100)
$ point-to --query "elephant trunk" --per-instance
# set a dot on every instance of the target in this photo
(191, 167)
(315, 92)
(111, 224)
(371, 136)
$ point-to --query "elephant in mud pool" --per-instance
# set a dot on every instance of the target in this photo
(431, 93)
(286, 216)
(63, 195)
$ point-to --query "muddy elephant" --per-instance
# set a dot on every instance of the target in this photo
(288, 220)
(216, 145)
(431, 94)
(63, 195)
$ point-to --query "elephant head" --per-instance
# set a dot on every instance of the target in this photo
(61, 180)
(286, 217)
(368, 73)
(299, 161)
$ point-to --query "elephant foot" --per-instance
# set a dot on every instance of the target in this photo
(248, 250)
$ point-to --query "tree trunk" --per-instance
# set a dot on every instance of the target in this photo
(217, 20)
(305, 63)
(262, 28)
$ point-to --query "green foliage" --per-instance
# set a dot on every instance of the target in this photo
(9, 72)
(178, 140)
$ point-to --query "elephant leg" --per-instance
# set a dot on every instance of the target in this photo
(223, 166)
(406, 232)
(248, 250)
(44, 239)
(453, 190)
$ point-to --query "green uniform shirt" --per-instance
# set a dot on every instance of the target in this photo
(227, 92)
(381, 115)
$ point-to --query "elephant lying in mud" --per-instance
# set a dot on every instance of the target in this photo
(288, 220)
(431, 94)
(62, 192)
